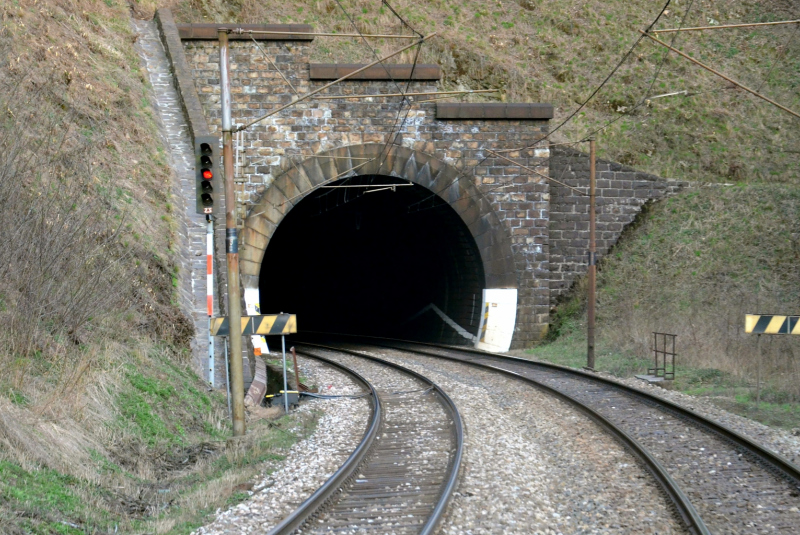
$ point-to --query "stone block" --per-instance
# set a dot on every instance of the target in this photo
(314, 173)
(259, 223)
(250, 238)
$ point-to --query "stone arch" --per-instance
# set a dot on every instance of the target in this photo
(291, 187)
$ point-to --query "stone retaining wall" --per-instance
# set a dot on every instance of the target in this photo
(621, 192)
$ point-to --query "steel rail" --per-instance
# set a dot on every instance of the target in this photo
(769, 460)
(777, 461)
(684, 507)
(348, 469)
(455, 463)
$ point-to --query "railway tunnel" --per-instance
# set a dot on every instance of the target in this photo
(363, 257)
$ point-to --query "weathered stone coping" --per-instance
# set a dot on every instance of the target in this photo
(494, 110)
(387, 71)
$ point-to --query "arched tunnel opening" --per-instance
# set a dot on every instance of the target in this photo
(384, 263)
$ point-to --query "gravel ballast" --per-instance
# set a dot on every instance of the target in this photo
(780, 441)
(533, 464)
(309, 463)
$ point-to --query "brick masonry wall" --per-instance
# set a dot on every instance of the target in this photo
(621, 192)
(518, 202)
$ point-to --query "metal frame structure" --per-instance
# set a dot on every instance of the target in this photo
(661, 371)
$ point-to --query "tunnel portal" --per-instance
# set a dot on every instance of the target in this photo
(355, 260)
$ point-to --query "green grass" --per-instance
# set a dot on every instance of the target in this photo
(136, 411)
(269, 441)
(571, 347)
(724, 389)
(44, 501)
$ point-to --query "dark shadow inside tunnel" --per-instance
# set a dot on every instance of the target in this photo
(351, 260)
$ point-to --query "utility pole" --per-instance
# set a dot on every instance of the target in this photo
(231, 240)
(592, 275)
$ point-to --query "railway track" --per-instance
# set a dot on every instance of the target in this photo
(718, 480)
(401, 476)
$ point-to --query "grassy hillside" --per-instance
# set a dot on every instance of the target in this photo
(692, 266)
(104, 428)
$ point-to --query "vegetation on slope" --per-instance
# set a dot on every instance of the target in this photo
(694, 265)
(104, 427)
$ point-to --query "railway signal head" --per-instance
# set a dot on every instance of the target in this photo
(206, 150)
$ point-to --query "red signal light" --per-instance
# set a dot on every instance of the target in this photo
(205, 162)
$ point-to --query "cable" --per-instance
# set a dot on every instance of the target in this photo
(402, 392)
(404, 99)
(613, 72)
(652, 82)
(779, 60)
(573, 114)
(273, 65)
(331, 396)
(374, 53)
(396, 14)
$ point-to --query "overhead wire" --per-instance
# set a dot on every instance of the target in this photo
(391, 136)
(779, 59)
(273, 65)
(396, 14)
(565, 121)
(652, 82)
(583, 140)
(607, 78)
(380, 62)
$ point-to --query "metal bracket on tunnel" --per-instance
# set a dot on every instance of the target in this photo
(392, 187)
(381, 187)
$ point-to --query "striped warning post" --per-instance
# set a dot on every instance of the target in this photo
(210, 269)
(485, 323)
(771, 324)
(266, 325)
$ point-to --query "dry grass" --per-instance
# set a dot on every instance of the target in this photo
(90, 341)
(83, 187)
(87, 320)
(695, 266)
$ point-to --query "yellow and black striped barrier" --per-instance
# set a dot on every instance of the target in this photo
(771, 324)
(266, 325)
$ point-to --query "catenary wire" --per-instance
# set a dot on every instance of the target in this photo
(565, 121)
(390, 137)
(652, 82)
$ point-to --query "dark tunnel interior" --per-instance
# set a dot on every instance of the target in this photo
(350, 261)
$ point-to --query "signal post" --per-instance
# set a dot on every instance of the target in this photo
(231, 239)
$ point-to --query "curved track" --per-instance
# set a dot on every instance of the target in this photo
(729, 483)
(402, 475)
